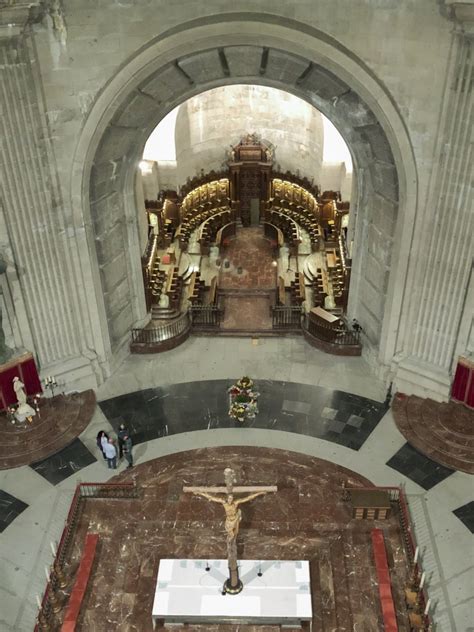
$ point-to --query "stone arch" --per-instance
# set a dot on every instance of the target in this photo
(208, 53)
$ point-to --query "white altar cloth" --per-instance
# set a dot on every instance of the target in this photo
(187, 593)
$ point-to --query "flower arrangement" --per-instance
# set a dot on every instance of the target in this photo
(243, 400)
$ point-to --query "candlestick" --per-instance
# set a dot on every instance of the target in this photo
(422, 580)
(53, 549)
(38, 601)
(415, 559)
(46, 570)
(427, 608)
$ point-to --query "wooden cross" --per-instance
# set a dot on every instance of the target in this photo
(233, 516)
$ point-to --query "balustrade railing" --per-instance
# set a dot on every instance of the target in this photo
(286, 317)
(397, 495)
(327, 333)
(206, 316)
(161, 333)
(83, 490)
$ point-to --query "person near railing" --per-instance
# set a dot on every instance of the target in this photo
(111, 454)
(102, 440)
(121, 434)
(127, 450)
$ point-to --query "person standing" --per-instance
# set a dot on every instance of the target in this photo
(122, 433)
(102, 439)
(127, 450)
(111, 454)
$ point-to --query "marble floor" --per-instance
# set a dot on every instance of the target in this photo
(305, 519)
(321, 406)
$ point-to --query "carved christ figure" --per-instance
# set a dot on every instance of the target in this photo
(233, 514)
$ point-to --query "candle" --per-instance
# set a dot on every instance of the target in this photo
(53, 549)
(422, 580)
(38, 601)
(46, 570)
(427, 608)
(415, 559)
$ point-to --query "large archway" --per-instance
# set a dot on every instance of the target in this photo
(200, 56)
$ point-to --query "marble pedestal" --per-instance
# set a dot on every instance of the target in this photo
(188, 593)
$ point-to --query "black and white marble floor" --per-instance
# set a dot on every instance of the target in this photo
(339, 425)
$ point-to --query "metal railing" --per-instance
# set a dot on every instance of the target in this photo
(167, 331)
(397, 495)
(206, 316)
(286, 317)
(83, 491)
(327, 333)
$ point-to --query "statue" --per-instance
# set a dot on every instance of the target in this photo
(24, 410)
(233, 515)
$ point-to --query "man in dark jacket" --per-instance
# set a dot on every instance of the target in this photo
(122, 432)
(127, 450)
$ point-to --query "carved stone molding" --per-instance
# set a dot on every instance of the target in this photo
(15, 15)
(462, 12)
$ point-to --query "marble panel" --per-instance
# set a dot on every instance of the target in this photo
(418, 468)
(10, 508)
(288, 406)
(64, 463)
(466, 515)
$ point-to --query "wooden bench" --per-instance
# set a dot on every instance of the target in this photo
(281, 291)
(212, 299)
(385, 585)
(80, 585)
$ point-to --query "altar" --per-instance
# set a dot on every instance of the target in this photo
(275, 592)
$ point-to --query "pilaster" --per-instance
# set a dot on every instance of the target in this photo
(445, 237)
(34, 218)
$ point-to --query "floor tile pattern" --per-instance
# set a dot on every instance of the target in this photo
(320, 412)
(418, 468)
(442, 431)
(305, 519)
(466, 515)
(61, 419)
(67, 461)
(250, 257)
(10, 508)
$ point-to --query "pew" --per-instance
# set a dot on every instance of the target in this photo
(281, 291)
(385, 586)
(212, 299)
(298, 290)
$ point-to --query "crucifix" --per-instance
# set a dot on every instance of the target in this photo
(233, 515)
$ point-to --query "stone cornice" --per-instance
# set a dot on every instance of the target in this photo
(15, 15)
(461, 12)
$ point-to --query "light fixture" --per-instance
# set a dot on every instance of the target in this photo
(145, 167)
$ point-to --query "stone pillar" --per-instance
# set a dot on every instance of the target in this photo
(45, 276)
(445, 239)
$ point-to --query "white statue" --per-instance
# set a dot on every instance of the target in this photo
(24, 410)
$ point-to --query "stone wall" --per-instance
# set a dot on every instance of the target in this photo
(85, 99)
(208, 124)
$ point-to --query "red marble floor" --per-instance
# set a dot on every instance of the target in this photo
(61, 420)
(444, 432)
(247, 285)
(305, 519)
(252, 253)
(250, 313)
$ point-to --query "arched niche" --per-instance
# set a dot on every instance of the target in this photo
(244, 49)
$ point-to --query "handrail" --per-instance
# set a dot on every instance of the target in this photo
(205, 316)
(326, 333)
(161, 333)
(397, 494)
(83, 490)
(286, 316)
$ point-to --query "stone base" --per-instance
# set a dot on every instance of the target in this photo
(414, 377)
(274, 593)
